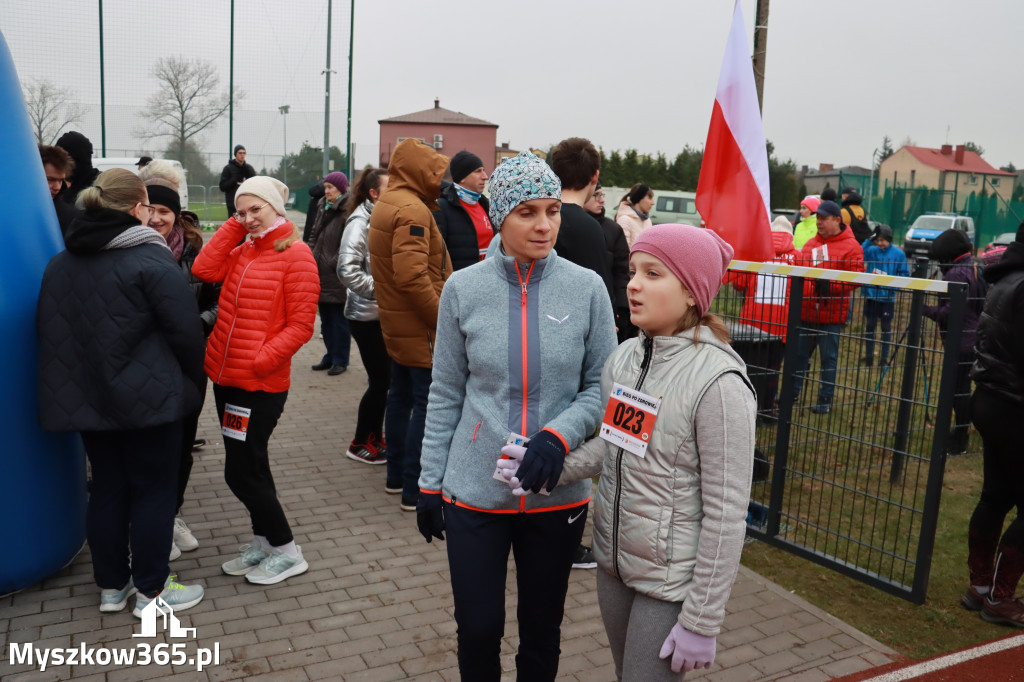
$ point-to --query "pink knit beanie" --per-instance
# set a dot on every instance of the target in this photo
(698, 257)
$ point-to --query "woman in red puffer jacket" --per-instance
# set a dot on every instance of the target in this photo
(267, 311)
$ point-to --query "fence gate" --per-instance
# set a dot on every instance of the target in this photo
(855, 488)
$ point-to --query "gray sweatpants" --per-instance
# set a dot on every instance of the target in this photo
(637, 626)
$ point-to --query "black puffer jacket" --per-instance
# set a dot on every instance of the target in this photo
(120, 344)
(999, 366)
(325, 240)
(457, 227)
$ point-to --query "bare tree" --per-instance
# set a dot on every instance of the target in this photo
(188, 101)
(51, 109)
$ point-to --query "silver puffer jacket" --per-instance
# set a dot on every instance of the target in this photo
(354, 266)
(670, 525)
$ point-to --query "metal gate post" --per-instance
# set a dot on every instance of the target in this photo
(940, 438)
(907, 387)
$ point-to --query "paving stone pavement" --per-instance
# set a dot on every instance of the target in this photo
(375, 604)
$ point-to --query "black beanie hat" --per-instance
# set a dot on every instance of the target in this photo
(949, 245)
(828, 194)
(463, 164)
(162, 195)
(238, 148)
(78, 146)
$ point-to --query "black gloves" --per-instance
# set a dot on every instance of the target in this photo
(430, 516)
(542, 463)
(821, 287)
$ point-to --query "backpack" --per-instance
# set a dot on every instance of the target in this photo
(858, 223)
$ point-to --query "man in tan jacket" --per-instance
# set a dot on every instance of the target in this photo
(410, 264)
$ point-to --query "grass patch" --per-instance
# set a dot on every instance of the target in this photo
(211, 215)
(940, 624)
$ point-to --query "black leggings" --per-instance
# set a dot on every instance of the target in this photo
(543, 544)
(991, 560)
(247, 462)
(189, 427)
(375, 358)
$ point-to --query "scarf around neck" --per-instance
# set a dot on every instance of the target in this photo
(469, 196)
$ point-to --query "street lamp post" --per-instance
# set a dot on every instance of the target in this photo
(284, 156)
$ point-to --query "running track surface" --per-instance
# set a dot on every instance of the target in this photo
(1001, 660)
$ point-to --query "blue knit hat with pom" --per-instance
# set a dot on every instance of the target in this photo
(523, 178)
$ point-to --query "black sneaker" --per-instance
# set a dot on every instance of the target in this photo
(321, 366)
(365, 453)
(392, 488)
(584, 558)
(335, 370)
(408, 504)
(198, 443)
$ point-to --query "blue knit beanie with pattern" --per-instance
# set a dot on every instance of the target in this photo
(523, 178)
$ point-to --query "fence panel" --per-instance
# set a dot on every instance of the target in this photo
(854, 487)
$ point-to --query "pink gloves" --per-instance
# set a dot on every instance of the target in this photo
(688, 649)
(510, 467)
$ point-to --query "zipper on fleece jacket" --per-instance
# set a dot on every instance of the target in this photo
(645, 365)
(234, 318)
(526, 355)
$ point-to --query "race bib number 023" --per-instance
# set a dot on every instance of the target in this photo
(629, 419)
(236, 421)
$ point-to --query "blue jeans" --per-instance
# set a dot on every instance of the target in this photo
(403, 424)
(825, 337)
(337, 338)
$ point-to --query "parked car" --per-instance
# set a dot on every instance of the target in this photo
(675, 207)
(1001, 242)
(927, 227)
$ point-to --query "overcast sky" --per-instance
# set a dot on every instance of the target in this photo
(639, 74)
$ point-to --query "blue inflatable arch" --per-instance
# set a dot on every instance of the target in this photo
(42, 475)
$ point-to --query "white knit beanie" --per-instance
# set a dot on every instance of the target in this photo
(269, 189)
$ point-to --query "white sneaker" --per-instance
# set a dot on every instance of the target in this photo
(249, 559)
(175, 552)
(276, 567)
(112, 601)
(183, 537)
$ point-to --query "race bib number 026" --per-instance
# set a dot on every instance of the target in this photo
(629, 419)
(236, 421)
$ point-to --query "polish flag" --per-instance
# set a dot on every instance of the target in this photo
(732, 193)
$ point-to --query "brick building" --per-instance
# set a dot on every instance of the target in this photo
(448, 131)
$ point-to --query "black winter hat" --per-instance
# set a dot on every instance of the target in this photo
(464, 163)
(78, 146)
(828, 194)
(238, 148)
(949, 246)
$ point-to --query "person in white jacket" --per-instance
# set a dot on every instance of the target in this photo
(675, 452)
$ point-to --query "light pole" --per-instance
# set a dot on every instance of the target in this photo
(284, 156)
(871, 178)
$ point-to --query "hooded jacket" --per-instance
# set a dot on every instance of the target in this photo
(409, 257)
(79, 148)
(827, 302)
(631, 222)
(120, 342)
(964, 269)
(804, 230)
(888, 261)
(325, 241)
(267, 306)
(999, 366)
(457, 228)
(671, 524)
(517, 352)
(854, 217)
(766, 297)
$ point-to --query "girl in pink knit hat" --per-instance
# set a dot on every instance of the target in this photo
(675, 453)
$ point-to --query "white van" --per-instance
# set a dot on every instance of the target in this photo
(131, 163)
(670, 206)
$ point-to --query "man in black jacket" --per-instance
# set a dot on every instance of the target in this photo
(462, 217)
(618, 261)
(580, 240)
(234, 174)
(58, 165)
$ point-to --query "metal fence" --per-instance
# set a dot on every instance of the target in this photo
(855, 487)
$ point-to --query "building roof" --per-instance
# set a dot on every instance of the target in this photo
(973, 163)
(438, 114)
(845, 170)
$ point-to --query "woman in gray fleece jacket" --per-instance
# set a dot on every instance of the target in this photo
(669, 517)
(521, 340)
